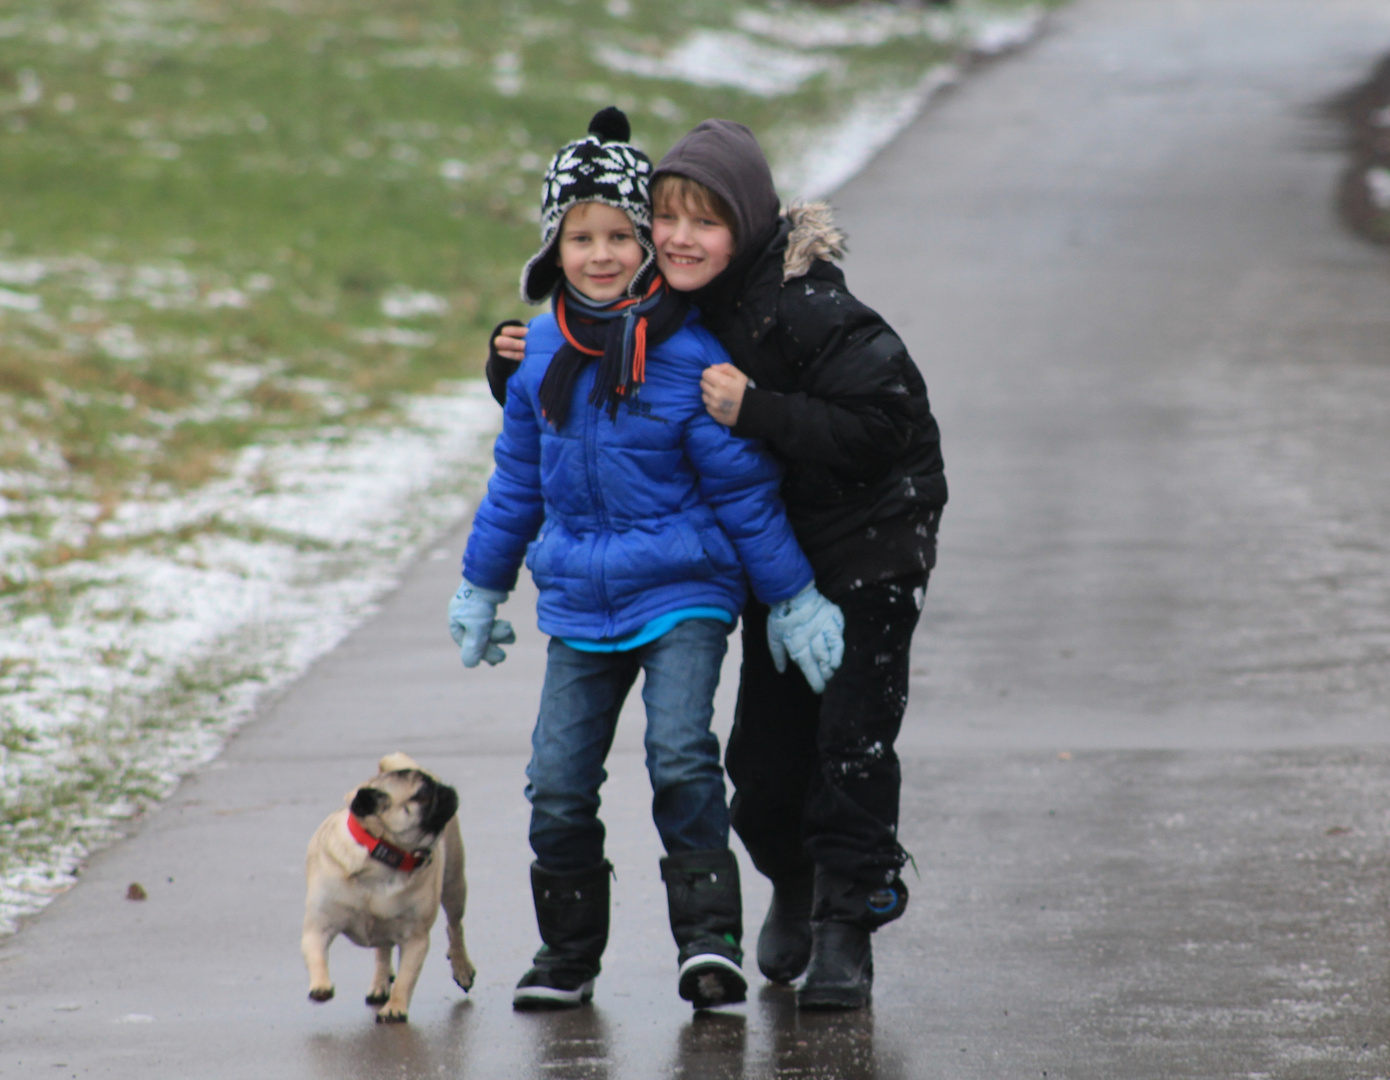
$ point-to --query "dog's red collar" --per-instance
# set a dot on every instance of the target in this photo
(384, 851)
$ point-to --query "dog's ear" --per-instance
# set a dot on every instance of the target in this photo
(396, 762)
(439, 803)
(367, 801)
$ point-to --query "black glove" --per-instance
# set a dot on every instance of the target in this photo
(499, 368)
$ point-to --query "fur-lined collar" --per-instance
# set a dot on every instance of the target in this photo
(814, 236)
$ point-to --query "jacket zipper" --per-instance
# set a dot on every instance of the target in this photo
(596, 499)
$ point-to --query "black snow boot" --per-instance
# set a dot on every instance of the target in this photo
(706, 907)
(784, 945)
(841, 973)
(844, 915)
(572, 916)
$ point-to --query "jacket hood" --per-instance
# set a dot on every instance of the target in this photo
(725, 157)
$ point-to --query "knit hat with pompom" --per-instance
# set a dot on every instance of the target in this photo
(602, 167)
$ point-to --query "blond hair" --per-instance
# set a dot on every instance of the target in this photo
(692, 195)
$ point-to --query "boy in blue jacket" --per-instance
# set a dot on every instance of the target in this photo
(643, 522)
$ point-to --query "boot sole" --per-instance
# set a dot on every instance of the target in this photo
(709, 980)
(832, 999)
(550, 998)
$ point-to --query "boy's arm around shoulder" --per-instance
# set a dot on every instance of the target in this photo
(513, 509)
(740, 481)
(858, 394)
(500, 368)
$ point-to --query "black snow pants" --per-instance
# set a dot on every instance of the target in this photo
(816, 778)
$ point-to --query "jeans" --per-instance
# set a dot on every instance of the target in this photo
(816, 779)
(583, 694)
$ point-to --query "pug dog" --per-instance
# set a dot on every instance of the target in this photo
(379, 870)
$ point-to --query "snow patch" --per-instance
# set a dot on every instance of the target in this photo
(15, 301)
(839, 151)
(992, 36)
(404, 303)
(721, 58)
(862, 24)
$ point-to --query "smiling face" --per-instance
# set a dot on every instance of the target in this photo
(599, 252)
(694, 244)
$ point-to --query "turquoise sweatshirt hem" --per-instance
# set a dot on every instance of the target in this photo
(653, 630)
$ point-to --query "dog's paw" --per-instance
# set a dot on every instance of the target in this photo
(387, 1016)
(321, 994)
(464, 976)
(464, 972)
(378, 997)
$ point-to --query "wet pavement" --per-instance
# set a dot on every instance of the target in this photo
(1147, 773)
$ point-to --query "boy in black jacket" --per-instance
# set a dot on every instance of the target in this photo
(825, 382)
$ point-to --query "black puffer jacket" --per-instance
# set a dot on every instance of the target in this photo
(841, 404)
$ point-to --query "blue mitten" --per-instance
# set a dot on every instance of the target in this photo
(475, 627)
(811, 630)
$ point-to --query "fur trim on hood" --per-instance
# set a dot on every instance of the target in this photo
(814, 236)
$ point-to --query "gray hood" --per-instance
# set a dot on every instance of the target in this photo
(725, 157)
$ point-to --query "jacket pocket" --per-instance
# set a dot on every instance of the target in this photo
(560, 564)
(720, 551)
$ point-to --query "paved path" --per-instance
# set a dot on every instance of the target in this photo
(1148, 779)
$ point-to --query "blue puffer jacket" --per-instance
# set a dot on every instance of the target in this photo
(622, 521)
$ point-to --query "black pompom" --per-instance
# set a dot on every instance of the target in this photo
(610, 125)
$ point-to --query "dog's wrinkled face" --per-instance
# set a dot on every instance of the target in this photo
(408, 806)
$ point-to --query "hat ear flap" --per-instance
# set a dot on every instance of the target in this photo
(541, 273)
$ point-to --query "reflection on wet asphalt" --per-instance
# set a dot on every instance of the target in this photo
(572, 1044)
(712, 1047)
(577, 1045)
(763, 1040)
(815, 1044)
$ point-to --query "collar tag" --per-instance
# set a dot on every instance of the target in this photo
(386, 853)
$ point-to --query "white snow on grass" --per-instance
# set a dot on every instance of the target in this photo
(863, 24)
(405, 303)
(212, 600)
(837, 152)
(22, 272)
(16, 301)
(994, 35)
(721, 58)
(983, 28)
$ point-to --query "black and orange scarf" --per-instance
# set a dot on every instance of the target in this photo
(618, 334)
